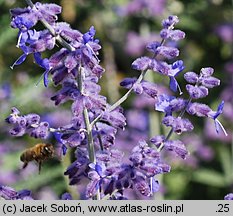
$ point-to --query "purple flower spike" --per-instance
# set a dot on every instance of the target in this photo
(214, 116)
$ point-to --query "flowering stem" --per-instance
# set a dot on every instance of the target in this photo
(90, 143)
(91, 148)
(122, 99)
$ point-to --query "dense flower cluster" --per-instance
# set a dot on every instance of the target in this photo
(92, 130)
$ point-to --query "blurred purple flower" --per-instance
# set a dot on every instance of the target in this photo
(225, 32)
(135, 7)
(5, 91)
(9, 193)
(135, 43)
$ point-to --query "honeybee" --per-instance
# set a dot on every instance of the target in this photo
(39, 153)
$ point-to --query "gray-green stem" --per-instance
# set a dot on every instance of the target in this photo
(91, 148)
(122, 99)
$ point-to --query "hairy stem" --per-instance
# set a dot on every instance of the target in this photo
(122, 99)
(91, 148)
(90, 142)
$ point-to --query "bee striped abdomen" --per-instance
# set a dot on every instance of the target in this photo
(39, 153)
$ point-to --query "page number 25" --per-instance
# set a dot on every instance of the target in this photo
(223, 208)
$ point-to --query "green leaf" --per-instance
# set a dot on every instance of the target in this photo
(35, 181)
(225, 158)
(11, 161)
(209, 177)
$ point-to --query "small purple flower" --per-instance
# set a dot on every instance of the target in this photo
(197, 92)
(191, 77)
(89, 36)
(24, 195)
(66, 196)
(207, 72)
(142, 63)
(176, 146)
(198, 109)
(170, 22)
(96, 175)
(210, 82)
(115, 118)
(48, 11)
(178, 124)
(148, 88)
(174, 35)
(176, 68)
(107, 134)
(169, 104)
(141, 185)
(23, 19)
(157, 140)
(214, 115)
(63, 148)
(79, 168)
(69, 91)
(165, 51)
(41, 131)
(229, 196)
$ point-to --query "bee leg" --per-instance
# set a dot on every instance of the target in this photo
(39, 163)
(25, 165)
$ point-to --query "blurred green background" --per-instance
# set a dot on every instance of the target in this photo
(209, 42)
